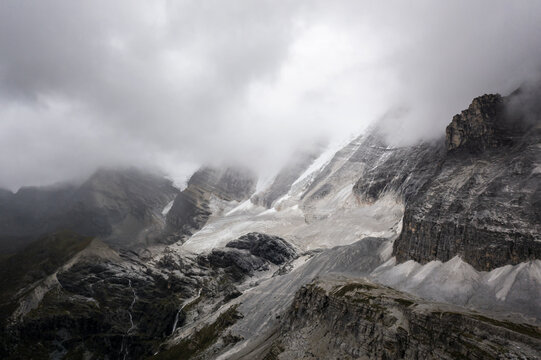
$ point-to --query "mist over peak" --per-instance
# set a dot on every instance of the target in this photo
(175, 86)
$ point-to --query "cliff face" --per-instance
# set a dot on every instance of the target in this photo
(355, 319)
(477, 195)
(479, 127)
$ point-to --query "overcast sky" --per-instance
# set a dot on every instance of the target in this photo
(176, 84)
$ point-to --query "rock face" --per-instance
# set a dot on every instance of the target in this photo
(122, 207)
(271, 248)
(479, 127)
(83, 297)
(237, 263)
(477, 196)
(191, 210)
(355, 319)
(68, 296)
(249, 253)
(189, 213)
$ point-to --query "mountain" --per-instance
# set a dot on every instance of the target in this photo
(476, 195)
(25, 215)
(193, 206)
(123, 207)
(363, 251)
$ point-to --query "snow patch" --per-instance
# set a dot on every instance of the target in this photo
(167, 207)
(263, 183)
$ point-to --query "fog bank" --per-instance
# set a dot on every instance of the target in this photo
(173, 85)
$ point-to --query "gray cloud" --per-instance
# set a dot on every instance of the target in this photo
(177, 84)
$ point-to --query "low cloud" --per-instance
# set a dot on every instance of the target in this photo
(174, 85)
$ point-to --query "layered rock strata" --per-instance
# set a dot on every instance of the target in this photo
(356, 319)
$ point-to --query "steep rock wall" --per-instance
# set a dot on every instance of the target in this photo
(342, 318)
(476, 195)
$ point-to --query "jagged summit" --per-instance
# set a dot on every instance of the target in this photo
(491, 121)
(479, 127)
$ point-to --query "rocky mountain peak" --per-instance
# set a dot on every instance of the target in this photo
(477, 128)
(191, 208)
(230, 183)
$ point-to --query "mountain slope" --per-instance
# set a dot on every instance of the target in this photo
(353, 318)
(123, 207)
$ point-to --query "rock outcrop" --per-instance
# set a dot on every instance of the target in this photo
(355, 319)
(268, 247)
(249, 253)
(68, 295)
(479, 127)
(189, 213)
(236, 263)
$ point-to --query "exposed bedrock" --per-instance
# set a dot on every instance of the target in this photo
(237, 263)
(355, 319)
(249, 253)
(268, 247)
(479, 127)
(68, 295)
(478, 195)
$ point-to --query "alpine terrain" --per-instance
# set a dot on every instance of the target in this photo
(362, 251)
